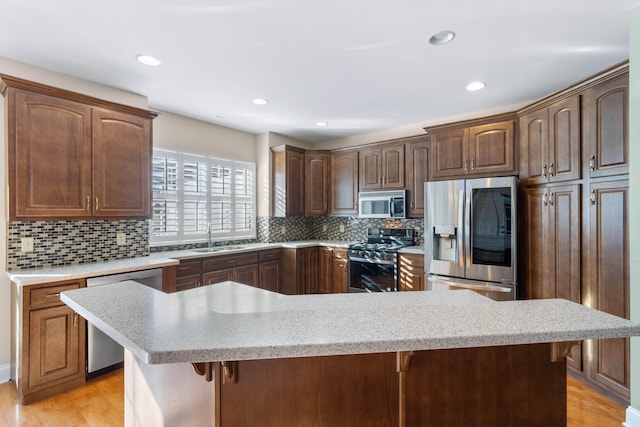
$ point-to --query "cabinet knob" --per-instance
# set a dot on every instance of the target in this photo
(551, 199)
(551, 170)
(544, 171)
(592, 163)
(545, 200)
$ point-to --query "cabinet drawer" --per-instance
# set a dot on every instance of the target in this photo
(224, 262)
(187, 282)
(49, 296)
(270, 255)
(340, 254)
(188, 268)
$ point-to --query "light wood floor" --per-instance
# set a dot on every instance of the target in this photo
(100, 403)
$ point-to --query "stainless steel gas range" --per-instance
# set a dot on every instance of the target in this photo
(373, 265)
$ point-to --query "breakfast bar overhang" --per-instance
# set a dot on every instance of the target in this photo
(233, 355)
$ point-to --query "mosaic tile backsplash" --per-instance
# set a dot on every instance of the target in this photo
(57, 243)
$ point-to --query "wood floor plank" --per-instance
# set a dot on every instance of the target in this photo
(100, 403)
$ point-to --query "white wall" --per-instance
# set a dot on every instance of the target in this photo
(180, 133)
(633, 415)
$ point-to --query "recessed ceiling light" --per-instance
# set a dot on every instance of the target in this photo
(148, 60)
(220, 116)
(476, 86)
(260, 101)
(443, 37)
(322, 124)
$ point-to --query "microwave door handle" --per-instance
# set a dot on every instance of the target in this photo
(391, 212)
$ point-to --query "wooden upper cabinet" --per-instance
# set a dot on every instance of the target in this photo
(121, 168)
(476, 148)
(550, 143)
(317, 170)
(49, 156)
(417, 173)
(288, 181)
(382, 167)
(71, 155)
(606, 124)
(344, 182)
(492, 148)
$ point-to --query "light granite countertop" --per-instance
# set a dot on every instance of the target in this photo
(230, 321)
(154, 260)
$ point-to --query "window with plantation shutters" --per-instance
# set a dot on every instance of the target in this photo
(192, 194)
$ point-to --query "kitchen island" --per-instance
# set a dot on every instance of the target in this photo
(233, 355)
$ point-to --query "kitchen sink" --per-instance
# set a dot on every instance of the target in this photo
(217, 249)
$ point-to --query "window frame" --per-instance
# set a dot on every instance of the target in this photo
(200, 234)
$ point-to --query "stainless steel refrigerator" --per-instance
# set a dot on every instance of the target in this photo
(470, 235)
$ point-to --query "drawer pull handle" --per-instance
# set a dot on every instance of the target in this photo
(75, 319)
(183, 268)
(592, 163)
(56, 295)
(97, 204)
(88, 203)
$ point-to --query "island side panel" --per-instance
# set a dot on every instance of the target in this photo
(487, 386)
(166, 395)
(353, 390)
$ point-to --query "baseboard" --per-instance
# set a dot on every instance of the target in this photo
(5, 373)
(633, 417)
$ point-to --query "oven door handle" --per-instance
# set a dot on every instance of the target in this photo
(371, 261)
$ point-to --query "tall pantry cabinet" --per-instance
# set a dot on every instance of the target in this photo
(574, 189)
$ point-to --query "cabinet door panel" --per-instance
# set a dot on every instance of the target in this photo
(122, 164)
(491, 148)
(607, 127)
(344, 183)
(534, 136)
(417, 175)
(316, 184)
(49, 157)
(54, 336)
(370, 169)
(609, 277)
(247, 275)
(219, 276)
(564, 140)
(393, 167)
(535, 278)
(270, 276)
(449, 153)
(564, 251)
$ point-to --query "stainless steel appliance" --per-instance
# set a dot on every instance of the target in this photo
(381, 204)
(103, 353)
(373, 265)
(470, 235)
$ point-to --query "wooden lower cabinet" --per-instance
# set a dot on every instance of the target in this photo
(51, 357)
(411, 272)
(340, 271)
(255, 268)
(488, 386)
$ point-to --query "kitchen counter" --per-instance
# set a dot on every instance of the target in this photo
(233, 355)
(154, 260)
(230, 321)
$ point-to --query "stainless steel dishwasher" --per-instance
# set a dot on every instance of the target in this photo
(103, 353)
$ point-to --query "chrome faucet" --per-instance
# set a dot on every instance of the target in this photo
(209, 243)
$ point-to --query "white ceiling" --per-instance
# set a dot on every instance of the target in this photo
(360, 65)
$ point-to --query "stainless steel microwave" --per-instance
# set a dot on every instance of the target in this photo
(382, 204)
